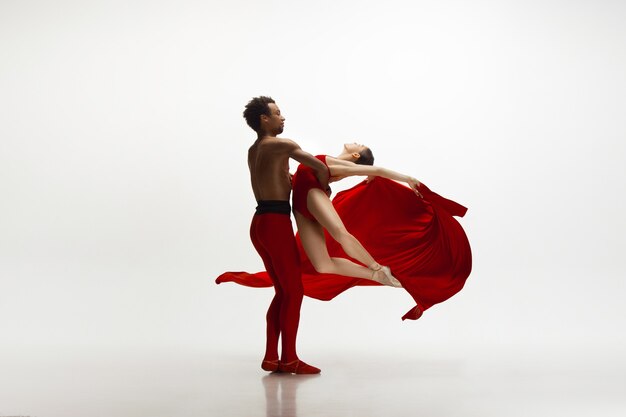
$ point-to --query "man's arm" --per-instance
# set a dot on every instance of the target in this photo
(296, 153)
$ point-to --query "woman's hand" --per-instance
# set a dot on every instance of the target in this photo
(414, 184)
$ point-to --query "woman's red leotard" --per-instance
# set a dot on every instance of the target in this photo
(302, 182)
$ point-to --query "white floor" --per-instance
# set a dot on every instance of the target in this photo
(59, 383)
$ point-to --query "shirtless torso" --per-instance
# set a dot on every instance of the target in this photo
(268, 161)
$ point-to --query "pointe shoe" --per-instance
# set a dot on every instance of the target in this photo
(269, 366)
(393, 280)
(388, 279)
(377, 269)
(298, 367)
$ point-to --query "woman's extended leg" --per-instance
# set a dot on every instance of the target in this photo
(322, 209)
(314, 244)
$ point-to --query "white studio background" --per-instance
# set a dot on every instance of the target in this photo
(125, 191)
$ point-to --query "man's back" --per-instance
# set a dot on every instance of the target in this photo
(268, 161)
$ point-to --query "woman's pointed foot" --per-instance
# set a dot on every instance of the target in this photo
(298, 367)
(382, 275)
(378, 274)
(393, 281)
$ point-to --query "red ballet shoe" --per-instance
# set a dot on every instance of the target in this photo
(269, 366)
(298, 367)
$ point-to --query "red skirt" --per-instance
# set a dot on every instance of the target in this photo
(419, 239)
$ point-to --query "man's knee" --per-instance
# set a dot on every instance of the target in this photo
(293, 298)
(288, 283)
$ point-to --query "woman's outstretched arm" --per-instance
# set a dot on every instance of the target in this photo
(341, 168)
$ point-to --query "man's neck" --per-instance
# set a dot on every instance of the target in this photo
(262, 136)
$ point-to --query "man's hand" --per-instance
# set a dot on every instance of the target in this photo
(322, 177)
(321, 170)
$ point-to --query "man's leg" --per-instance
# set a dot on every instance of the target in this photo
(280, 244)
(273, 322)
(274, 234)
(270, 359)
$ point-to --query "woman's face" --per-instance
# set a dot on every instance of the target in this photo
(354, 147)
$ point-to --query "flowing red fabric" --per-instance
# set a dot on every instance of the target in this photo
(419, 239)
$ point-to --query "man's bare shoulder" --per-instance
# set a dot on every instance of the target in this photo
(276, 144)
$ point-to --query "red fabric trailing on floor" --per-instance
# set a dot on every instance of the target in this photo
(419, 239)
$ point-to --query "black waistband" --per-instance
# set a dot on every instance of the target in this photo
(273, 206)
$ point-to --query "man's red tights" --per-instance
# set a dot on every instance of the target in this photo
(273, 238)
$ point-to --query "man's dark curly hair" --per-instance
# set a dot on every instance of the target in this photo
(254, 109)
(366, 158)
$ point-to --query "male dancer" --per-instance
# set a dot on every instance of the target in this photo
(271, 231)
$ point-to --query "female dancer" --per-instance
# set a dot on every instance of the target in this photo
(418, 237)
(314, 212)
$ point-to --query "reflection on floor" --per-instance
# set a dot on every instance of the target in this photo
(63, 384)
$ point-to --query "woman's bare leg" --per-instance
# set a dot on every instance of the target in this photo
(314, 244)
(322, 209)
